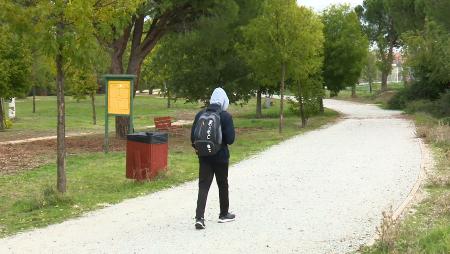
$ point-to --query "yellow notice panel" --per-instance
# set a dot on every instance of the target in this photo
(119, 97)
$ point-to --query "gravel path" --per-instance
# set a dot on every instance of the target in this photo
(322, 192)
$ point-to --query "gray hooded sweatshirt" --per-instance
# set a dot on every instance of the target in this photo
(219, 101)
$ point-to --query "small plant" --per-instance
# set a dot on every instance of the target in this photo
(49, 197)
(439, 134)
(8, 123)
(388, 231)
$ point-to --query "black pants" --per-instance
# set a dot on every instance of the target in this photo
(206, 175)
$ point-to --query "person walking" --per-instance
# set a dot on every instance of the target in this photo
(212, 132)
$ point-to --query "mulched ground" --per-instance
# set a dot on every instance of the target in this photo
(27, 156)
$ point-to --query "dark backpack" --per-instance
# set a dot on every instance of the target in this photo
(208, 133)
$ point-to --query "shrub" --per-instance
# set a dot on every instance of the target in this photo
(399, 100)
(406, 99)
(443, 105)
(419, 106)
(49, 197)
(311, 107)
(9, 123)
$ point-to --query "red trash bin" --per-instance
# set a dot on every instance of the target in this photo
(147, 154)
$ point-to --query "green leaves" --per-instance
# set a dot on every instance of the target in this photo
(15, 63)
(283, 34)
(345, 47)
(192, 63)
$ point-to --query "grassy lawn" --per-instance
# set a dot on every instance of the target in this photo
(376, 97)
(28, 199)
(79, 115)
(427, 229)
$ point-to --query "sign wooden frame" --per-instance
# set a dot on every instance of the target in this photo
(118, 101)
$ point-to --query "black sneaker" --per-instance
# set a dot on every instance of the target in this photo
(200, 223)
(226, 218)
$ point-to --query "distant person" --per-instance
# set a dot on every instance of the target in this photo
(212, 132)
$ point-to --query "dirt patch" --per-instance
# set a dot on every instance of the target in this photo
(185, 114)
(26, 156)
(9, 135)
(248, 129)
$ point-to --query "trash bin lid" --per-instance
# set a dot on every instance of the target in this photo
(149, 137)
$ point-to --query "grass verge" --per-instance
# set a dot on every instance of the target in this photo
(28, 199)
(79, 115)
(363, 94)
(427, 228)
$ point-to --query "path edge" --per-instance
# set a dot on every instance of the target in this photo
(426, 165)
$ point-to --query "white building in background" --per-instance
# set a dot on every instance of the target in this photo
(396, 74)
(397, 69)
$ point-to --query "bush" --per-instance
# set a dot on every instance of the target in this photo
(443, 105)
(9, 123)
(49, 197)
(439, 108)
(406, 99)
(311, 107)
(399, 100)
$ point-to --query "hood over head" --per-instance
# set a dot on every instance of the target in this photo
(219, 96)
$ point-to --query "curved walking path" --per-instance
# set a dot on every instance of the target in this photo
(321, 192)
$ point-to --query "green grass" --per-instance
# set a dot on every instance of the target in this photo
(427, 230)
(28, 199)
(376, 97)
(79, 114)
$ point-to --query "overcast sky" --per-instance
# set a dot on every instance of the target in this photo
(319, 5)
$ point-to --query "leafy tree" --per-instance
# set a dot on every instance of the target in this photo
(84, 80)
(408, 15)
(379, 25)
(84, 83)
(307, 74)
(158, 71)
(369, 71)
(137, 26)
(65, 32)
(191, 64)
(345, 48)
(15, 66)
(277, 35)
(438, 10)
(428, 52)
(42, 74)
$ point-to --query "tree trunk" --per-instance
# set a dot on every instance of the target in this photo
(167, 94)
(322, 109)
(168, 99)
(2, 116)
(33, 74)
(387, 67)
(94, 114)
(116, 63)
(384, 76)
(258, 104)
(34, 99)
(122, 126)
(142, 43)
(354, 91)
(302, 108)
(60, 140)
(283, 74)
(370, 84)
